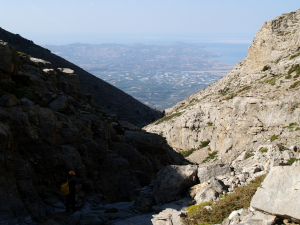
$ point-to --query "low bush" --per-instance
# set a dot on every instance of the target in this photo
(295, 84)
(248, 155)
(210, 157)
(167, 118)
(274, 137)
(263, 150)
(240, 198)
(188, 152)
(266, 67)
(292, 160)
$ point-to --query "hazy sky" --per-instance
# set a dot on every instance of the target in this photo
(145, 21)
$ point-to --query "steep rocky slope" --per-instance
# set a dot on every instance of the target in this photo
(256, 103)
(49, 127)
(106, 96)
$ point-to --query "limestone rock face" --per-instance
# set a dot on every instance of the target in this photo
(172, 181)
(280, 187)
(205, 173)
(254, 104)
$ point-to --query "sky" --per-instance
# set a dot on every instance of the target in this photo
(61, 22)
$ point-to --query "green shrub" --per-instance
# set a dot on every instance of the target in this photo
(22, 54)
(166, 118)
(271, 81)
(295, 55)
(210, 157)
(248, 155)
(188, 152)
(194, 208)
(266, 67)
(274, 137)
(210, 124)
(231, 96)
(204, 144)
(297, 128)
(289, 76)
(224, 91)
(263, 150)
(244, 89)
(240, 198)
(294, 68)
(291, 126)
(295, 84)
(292, 160)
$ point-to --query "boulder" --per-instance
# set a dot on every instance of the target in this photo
(145, 200)
(166, 217)
(9, 59)
(70, 77)
(42, 63)
(9, 100)
(206, 173)
(59, 104)
(173, 181)
(209, 192)
(279, 189)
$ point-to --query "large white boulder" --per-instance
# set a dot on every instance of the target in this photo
(173, 181)
(279, 194)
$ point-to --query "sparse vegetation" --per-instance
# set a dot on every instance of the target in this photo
(296, 84)
(266, 67)
(210, 157)
(204, 144)
(167, 118)
(291, 126)
(244, 89)
(274, 137)
(264, 150)
(231, 96)
(22, 54)
(240, 198)
(271, 81)
(210, 124)
(224, 91)
(292, 160)
(248, 155)
(188, 152)
(295, 55)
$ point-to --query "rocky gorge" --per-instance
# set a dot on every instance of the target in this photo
(242, 130)
(248, 123)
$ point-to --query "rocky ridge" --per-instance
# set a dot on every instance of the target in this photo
(243, 126)
(49, 127)
(106, 96)
(254, 104)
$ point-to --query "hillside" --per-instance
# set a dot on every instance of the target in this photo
(49, 127)
(254, 104)
(106, 96)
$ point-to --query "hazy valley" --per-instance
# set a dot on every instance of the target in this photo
(157, 75)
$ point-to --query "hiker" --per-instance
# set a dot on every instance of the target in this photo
(73, 189)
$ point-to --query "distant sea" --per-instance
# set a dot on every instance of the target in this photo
(229, 53)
